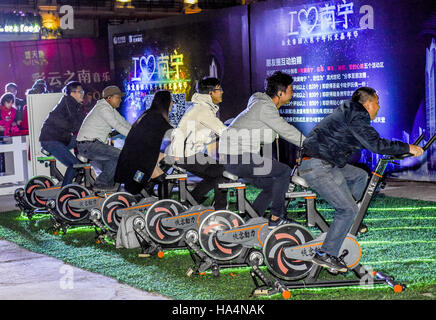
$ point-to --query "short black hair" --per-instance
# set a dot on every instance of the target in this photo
(70, 86)
(278, 81)
(207, 84)
(7, 97)
(363, 94)
(11, 84)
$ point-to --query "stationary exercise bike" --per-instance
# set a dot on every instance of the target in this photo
(154, 217)
(288, 249)
(73, 204)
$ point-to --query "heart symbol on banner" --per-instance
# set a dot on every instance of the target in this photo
(306, 19)
(146, 67)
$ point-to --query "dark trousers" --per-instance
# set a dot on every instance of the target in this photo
(211, 173)
(270, 175)
(104, 157)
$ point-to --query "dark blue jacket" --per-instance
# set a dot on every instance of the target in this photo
(345, 131)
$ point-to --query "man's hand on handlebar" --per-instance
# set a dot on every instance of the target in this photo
(416, 151)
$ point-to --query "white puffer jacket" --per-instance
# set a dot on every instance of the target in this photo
(197, 128)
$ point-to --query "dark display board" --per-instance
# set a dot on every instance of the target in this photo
(330, 48)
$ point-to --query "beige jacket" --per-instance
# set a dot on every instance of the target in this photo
(197, 128)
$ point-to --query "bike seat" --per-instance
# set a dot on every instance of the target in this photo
(176, 176)
(299, 181)
(230, 176)
(47, 158)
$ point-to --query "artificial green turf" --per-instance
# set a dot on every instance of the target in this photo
(401, 242)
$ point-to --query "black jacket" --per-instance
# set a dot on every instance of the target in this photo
(63, 121)
(345, 131)
(141, 150)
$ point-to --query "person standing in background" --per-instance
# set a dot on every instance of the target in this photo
(95, 130)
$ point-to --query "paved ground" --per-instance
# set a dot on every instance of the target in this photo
(25, 275)
(28, 275)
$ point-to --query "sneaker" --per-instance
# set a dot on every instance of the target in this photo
(325, 260)
(280, 221)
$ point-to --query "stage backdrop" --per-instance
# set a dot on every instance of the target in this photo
(57, 62)
(333, 47)
(174, 53)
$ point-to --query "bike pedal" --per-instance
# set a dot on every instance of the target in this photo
(362, 229)
(190, 272)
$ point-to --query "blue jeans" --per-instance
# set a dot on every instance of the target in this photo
(62, 153)
(341, 188)
(273, 179)
(104, 157)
